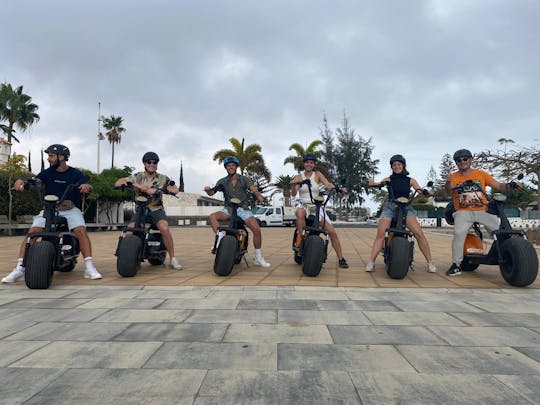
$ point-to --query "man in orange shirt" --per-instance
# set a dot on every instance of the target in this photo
(467, 186)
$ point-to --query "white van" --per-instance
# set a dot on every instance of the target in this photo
(275, 216)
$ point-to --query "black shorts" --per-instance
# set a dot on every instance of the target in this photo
(157, 215)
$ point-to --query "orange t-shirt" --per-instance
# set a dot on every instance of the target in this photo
(471, 197)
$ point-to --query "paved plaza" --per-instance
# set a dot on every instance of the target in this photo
(269, 335)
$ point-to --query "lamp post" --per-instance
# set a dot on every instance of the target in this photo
(100, 136)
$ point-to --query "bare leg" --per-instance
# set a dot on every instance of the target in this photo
(414, 226)
(252, 224)
(384, 223)
(163, 227)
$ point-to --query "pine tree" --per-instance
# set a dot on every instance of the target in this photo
(181, 180)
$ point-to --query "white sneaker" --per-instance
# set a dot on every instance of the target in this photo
(431, 268)
(370, 266)
(175, 264)
(259, 261)
(92, 274)
(16, 274)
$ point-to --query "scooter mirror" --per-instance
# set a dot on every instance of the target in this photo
(430, 184)
(520, 176)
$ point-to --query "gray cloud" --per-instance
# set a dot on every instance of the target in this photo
(421, 78)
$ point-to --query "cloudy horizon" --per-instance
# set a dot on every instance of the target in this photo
(421, 78)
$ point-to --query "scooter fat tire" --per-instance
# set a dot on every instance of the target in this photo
(313, 256)
(38, 273)
(225, 255)
(398, 262)
(520, 262)
(468, 266)
(127, 262)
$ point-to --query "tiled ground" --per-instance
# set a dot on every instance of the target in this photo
(193, 249)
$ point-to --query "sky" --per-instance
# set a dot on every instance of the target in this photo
(420, 78)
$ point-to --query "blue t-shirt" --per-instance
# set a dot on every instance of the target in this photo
(57, 182)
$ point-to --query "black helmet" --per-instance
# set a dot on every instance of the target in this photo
(449, 213)
(462, 153)
(309, 156)
(230, 159)
(398, 158)
(58, 149)
(150, 156)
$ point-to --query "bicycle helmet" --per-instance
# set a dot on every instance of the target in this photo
(309, 156)
(398, 158)
(150, 156)
(462, 153)
(58, 149)
(230, 159)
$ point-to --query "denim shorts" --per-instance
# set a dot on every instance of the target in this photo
(390, 208)
(74, 218)
(242, 213)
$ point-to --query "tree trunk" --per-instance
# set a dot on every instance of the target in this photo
(112, 157)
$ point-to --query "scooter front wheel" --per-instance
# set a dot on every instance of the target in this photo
(129, 252)
(39, 265)
(520, 263)
(225, 255)
(399, 251)
(313, 256)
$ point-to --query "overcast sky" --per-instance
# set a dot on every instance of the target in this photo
(421, 78)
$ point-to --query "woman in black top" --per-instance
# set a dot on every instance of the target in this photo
(401, 185)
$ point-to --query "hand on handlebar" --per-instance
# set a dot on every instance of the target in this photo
(85, 188)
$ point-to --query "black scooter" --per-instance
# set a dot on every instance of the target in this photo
(398, 246)
(312, 251)
(233, 246)
(144, 241)
(511, 251)
(55, 248)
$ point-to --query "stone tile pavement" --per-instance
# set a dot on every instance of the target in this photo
(268, 335)
(193, 246)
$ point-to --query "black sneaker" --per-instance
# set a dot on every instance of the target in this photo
(454, 270)
(343, 263)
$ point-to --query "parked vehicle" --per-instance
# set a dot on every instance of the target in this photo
(55, 248)
(275, 216)
(510, 250)
(398, 246)
(232, 247)
(143, 241)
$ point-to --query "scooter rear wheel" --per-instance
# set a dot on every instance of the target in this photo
(398, 261)
(39, 265)
(520, 262)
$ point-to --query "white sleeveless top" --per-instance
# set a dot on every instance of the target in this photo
(303, 192)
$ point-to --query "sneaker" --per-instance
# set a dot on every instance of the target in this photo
(92, 274)
(16, 274)
(454, 270)
(173, 263)
(431, 268)
(259, 261)
(370, 266)
(343, 263)
(219, 237)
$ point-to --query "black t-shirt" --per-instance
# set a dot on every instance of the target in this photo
(57, 182)
(401, 185)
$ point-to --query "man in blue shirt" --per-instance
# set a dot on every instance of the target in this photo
(56, 179)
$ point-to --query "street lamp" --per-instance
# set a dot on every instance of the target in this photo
(100, 136)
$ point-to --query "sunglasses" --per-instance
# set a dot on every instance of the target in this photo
(463, 159)
(152, 162)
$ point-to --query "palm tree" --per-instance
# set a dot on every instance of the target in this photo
(296, 160)
(249, 157)
(283, 183)
(114, 128)
(17, 109)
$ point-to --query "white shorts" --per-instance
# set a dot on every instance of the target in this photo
(310, 210)
(242, 213)
(74, 218)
